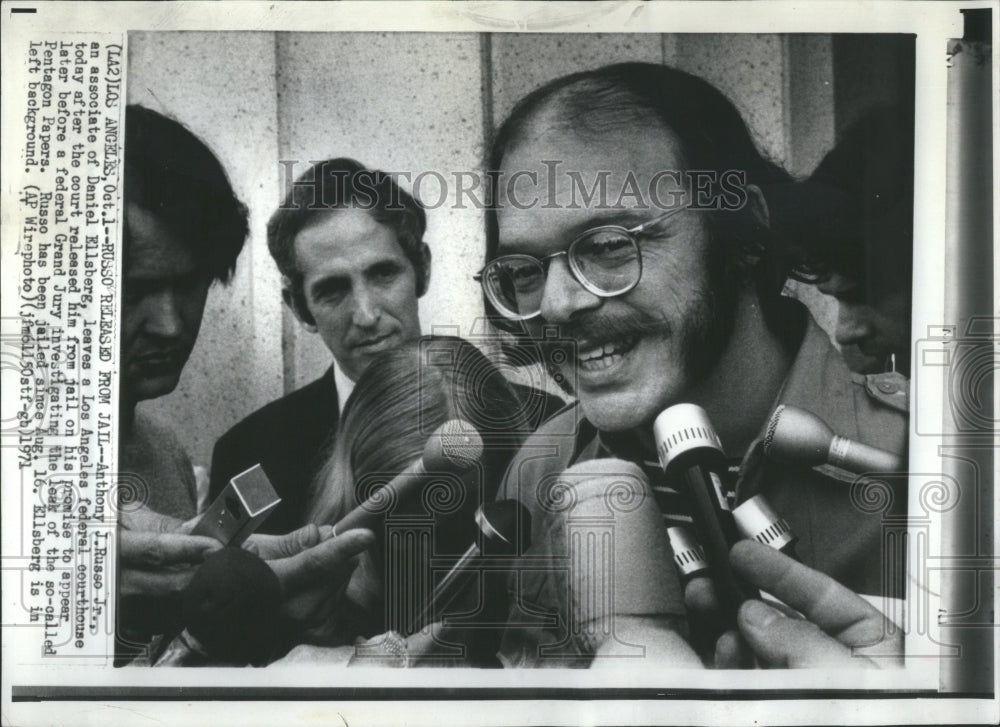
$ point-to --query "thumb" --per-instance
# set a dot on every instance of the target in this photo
(795, 643)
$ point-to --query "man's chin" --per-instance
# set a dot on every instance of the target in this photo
(151, 387)
(617, 411)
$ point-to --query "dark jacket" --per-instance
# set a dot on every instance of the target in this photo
(291, 436)
(287, 438)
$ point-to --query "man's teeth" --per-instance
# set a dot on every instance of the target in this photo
(602, 357)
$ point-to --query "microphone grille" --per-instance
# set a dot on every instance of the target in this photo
(772, 426)
(681, 428)
(461, 444)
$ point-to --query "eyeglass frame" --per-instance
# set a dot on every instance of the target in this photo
(578, 276)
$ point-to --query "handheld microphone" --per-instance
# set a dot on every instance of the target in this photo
(800, 437)
(231, 606)
(691, 456)
(498, 524)
(757, 520)
(455, 447)
(688, 555)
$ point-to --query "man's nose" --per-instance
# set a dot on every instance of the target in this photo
(853, 323)
(163, 318)
(564, 296)
(367, 307)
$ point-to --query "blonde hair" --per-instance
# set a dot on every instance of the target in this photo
(401, 398)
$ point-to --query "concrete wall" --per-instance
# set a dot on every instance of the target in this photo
(404, 102)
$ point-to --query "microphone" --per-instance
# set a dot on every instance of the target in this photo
(498, 524)
(757, 520)
(800, 437)
(691, 456)
(688, 555)
(454, 448)
(231, 606)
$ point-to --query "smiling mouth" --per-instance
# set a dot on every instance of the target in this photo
(593, 358)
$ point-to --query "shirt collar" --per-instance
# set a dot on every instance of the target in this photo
(344, 387)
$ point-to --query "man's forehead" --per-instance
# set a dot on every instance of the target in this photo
(557, 176)
(561, 158)
(342, 240)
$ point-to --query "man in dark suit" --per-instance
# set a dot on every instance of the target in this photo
(349, 244)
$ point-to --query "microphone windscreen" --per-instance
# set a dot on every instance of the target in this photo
(232, 607)
(454, 447)
(795, 435)
(615, 539)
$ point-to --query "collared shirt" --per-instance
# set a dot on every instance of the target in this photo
(345, 386)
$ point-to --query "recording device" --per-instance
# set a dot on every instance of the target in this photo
(239, 509)
(498, 525)
(756, 520)
(231, 607)
(800, 437)
(455, 447)
(692, 459)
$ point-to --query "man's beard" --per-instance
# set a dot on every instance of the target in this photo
(707, 328)
(702, 334)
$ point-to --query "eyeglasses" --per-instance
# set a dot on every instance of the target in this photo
(605, 260)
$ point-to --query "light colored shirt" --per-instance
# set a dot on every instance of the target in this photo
(344, 386)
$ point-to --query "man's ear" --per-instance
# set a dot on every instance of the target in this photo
(424, 280)
(294, 299)
(758, 205)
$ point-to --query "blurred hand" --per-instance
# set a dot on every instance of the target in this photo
(835, 628)
(313, 569)
(157, 556)
(432, 646)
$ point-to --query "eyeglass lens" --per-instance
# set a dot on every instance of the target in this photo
(605, 261)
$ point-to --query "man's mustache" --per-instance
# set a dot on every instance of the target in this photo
(601, 327)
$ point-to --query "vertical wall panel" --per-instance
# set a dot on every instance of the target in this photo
(522, 62)
(749, 69)
(236, 364)
(401, 102)
(809, 69)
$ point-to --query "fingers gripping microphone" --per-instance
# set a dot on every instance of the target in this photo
(691, 456)
(455, 447)
(800, 437)
(498, 525)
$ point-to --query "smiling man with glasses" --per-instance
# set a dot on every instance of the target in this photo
(664, 305)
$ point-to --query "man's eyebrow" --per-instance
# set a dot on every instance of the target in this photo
(384, 264)
(329, 283)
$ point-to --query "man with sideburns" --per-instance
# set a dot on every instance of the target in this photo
(671, 294)
(184, 228)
